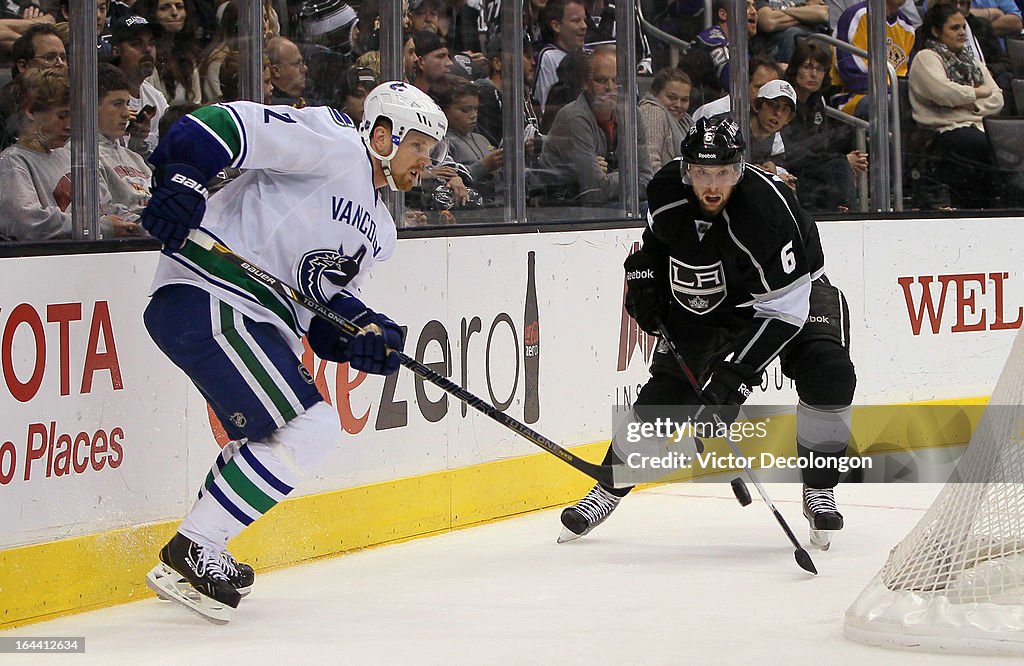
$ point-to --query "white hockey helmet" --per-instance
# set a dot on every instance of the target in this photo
(408, 108)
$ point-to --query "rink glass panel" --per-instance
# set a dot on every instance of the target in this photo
(525, 191)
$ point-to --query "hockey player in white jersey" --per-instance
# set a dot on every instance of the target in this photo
(305, 206)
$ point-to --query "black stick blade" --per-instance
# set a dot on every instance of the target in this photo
(804, 560)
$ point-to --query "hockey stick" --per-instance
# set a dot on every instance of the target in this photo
(600, 473)
(802, 557)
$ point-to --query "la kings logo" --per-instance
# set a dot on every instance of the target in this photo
(697, 289)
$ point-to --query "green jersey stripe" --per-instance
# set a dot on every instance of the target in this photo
(253, 365)
(221, 125)
(246, 489)
(222, 269)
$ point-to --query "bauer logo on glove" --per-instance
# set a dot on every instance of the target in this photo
(189, 183)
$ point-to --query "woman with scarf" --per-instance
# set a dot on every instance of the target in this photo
(664, 113)
(951, 94)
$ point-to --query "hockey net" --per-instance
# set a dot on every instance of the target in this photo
(956, 582)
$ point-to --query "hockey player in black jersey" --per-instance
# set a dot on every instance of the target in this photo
(733, 268)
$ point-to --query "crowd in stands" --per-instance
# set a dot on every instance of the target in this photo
(161, 59)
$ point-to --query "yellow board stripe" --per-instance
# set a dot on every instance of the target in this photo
(43, 581)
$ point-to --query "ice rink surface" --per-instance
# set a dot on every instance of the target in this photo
(678, 575)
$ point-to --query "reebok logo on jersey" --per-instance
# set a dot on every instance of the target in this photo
(744, 390)
(189, 183)
(640, 274)
(818, 319)
(697, 289)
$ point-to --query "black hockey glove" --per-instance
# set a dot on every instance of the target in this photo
(177, 204)
(730, 384)
(371, 351)
(644, 301)
(729, 387)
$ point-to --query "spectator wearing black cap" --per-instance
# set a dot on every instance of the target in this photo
(134, 46)
(355, 85)
(432, 60)
(39, 48)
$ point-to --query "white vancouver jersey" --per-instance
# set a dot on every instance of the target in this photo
(304, 209)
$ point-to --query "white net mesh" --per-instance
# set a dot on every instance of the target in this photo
(956, 581)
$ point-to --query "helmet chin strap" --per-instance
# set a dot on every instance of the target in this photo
(385, 164)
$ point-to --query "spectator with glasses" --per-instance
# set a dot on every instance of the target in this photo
(819, 151)
(287, 72)
(39, 48)
(580, 154)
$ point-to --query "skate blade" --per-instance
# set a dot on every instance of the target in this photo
(242, 591)
(568, 535)
(170, 586)
(822, 539)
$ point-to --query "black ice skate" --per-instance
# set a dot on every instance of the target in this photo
(582, 517)
(822, 515)
(194, 576)
(240, 575)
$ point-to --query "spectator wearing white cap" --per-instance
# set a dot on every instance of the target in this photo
(771, 111)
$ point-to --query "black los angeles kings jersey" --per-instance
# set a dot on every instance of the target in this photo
(738, 283)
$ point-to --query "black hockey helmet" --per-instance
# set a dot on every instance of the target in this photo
(713, 142)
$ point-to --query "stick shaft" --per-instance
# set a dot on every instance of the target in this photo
(735, 449)
(600, 473)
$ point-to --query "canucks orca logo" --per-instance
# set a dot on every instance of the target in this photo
(321, 269)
